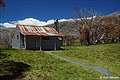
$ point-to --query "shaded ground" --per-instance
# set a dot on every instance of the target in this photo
(9, 69)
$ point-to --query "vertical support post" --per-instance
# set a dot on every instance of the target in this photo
(40, 44)
(55, 44)
(35, 43)
(25, 42)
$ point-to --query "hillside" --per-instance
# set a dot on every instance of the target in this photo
(68, 28)
(104, 24)
(115, 13)
(6, 36)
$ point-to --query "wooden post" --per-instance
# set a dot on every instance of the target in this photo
(35, 43)
(40, 44)
(55, 44)
(25, 42)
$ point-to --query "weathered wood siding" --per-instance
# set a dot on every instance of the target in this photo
(46, 43)
(16, 40)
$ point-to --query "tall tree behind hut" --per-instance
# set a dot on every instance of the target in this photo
(56, 25)
(87, 21)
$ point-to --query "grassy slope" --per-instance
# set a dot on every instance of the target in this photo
(106, 55)
(46, 67)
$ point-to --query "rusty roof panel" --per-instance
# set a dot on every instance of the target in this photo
(37, 30)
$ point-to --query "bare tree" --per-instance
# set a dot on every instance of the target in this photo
(111, 28)
(87, 22)
(97, 29)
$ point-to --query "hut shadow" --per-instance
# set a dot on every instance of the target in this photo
(48, 49)
(10, 70)
(54, 49)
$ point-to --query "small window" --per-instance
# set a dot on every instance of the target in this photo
(17, 36)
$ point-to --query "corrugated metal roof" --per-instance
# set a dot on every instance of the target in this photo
(37, 30)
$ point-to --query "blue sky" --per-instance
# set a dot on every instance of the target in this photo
(53, 9)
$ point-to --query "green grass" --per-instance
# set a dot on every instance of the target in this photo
(35, 65)
(105, 55)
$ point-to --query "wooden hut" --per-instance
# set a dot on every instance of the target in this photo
(36, 37)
